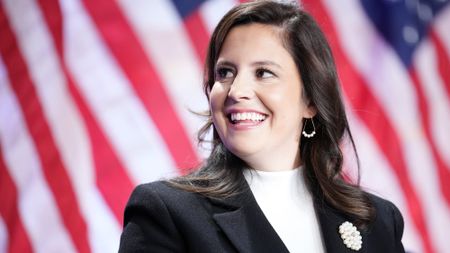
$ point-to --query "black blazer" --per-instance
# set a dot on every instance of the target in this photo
(160, 218)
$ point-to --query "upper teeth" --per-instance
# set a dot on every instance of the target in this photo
(247, 116)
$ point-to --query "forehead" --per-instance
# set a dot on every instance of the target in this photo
(254, 42)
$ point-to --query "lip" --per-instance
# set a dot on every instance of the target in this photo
(244, 125)
(230, 111)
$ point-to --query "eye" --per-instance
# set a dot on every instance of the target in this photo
(224, 73)
(264, 73)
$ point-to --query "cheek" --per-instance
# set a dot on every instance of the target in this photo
(217, 98)
(214, 98)
(283, 99)
(286, 105)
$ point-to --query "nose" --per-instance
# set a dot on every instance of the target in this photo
(241, 88)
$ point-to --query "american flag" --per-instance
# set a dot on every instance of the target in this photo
(95, 98)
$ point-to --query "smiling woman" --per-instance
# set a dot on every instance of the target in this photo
(273, 181)
(257, 83)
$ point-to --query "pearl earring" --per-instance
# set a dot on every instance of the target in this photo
(309, 135)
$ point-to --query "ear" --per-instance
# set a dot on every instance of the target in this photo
(208, 92)
(310, 111)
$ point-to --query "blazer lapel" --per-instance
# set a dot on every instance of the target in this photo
(245, 225)
(330, 220)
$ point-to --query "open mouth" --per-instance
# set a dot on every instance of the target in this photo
(246, 117)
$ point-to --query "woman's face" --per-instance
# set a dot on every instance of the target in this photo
(256, 100)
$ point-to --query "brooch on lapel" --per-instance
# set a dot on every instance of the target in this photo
(350, 235)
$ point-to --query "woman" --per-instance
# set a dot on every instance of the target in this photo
(273, 181)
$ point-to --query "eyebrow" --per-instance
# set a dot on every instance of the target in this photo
(225, 63)
(256, 63)
(266, 63)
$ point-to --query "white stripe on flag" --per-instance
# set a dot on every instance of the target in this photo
(441, 24)
(375, 169)
(114, 104)
(377, 62)
(212, 11)
(62, 115)
(3, 235)
(160, 29)
(425, 61)
(381, 68)
(37, 207)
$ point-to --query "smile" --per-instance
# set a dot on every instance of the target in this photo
(246, 117)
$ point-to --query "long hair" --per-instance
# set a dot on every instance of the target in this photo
(221, 174)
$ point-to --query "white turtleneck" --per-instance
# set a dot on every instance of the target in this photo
(288, 206)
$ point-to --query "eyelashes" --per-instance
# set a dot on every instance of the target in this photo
(227, 73)
(264, 73)
(223, 73)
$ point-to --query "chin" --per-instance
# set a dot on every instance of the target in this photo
(242, 150)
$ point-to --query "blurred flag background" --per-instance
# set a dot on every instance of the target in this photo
(95, 98)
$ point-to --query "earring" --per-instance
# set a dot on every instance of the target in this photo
(309, 135)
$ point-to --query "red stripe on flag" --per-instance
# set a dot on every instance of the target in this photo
(111, 176)
(362, 101)
(50, 159)
(443, 169)
(18, 241)
(443, 61)
(198, 34)
(130, 55)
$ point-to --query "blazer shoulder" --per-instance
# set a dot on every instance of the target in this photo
(159, 191)
(160, 187)
(150, 219)
(386, 210)
(388, 217)
(147, 199)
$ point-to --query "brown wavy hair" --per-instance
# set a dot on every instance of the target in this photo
(221, 174)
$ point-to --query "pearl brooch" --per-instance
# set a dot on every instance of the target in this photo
(350, 235)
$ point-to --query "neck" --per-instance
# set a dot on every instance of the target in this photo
(274, 163)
